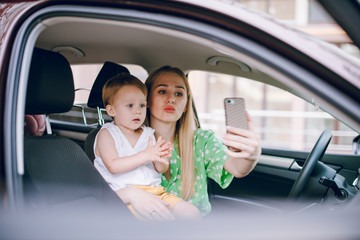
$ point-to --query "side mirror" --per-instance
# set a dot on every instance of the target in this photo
(356, 145)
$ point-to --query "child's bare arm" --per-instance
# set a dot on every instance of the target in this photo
(164, 152)
(106, 149)
(162, 167)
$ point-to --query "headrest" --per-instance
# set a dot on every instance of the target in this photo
(50, 84)
(108, 70)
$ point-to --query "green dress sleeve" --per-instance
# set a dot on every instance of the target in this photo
(214, 157)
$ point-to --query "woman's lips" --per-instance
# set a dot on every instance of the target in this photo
(169, 109)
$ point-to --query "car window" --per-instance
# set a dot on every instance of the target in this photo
(84, 77)
(85, 74)
(282, 119)
(307, 16)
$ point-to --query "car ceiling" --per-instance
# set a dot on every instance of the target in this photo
(133, 43)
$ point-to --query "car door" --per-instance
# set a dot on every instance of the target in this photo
(278, 165)
(288, 128)
(276, 170)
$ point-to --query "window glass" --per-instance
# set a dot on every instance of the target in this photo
(281, 119)
(305, 15)
(279, 9)
(84, 77)
(317, 14)
(85, 74)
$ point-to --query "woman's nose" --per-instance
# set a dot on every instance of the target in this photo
(171, 99)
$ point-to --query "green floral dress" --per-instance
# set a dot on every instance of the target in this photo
(209, 161)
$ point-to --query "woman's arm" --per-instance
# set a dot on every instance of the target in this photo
(145, 204)
(240, 163)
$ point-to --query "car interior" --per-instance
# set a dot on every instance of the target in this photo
(58, 164)
(57, 170)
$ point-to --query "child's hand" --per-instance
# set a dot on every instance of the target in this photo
(158, 152)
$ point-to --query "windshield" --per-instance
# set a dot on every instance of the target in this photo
(307, 16)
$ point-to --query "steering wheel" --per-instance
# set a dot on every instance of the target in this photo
(315, 155)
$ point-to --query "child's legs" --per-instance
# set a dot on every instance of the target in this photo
(185, 210)
(180, 208)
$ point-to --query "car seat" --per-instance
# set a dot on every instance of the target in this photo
(108, 70)
(57, 170)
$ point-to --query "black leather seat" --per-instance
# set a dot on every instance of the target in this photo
(108, 70)
(57, 170)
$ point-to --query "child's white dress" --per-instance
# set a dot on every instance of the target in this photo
(142, 175)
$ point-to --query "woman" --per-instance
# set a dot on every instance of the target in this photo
(197, 154)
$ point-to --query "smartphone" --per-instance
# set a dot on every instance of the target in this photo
(235, 113)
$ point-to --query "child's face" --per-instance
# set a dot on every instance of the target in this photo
(128, 107)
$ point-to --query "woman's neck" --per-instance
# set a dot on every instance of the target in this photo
(164, 129)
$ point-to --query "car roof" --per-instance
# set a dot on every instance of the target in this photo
(64, 31)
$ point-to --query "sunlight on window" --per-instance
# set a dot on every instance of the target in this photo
(282, 119)
(85, 74)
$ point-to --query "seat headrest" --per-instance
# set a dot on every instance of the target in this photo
(108, 70)
(50, 84)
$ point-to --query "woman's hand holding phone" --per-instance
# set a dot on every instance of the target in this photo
(244, 146)
(236, 117)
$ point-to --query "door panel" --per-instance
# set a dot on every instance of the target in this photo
(275, 174)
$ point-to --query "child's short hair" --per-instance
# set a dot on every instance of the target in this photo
(115, 83)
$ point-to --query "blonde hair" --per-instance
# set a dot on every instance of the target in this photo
(184, 132)
(115, 83)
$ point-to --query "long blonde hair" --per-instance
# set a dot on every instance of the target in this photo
(184, 132)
